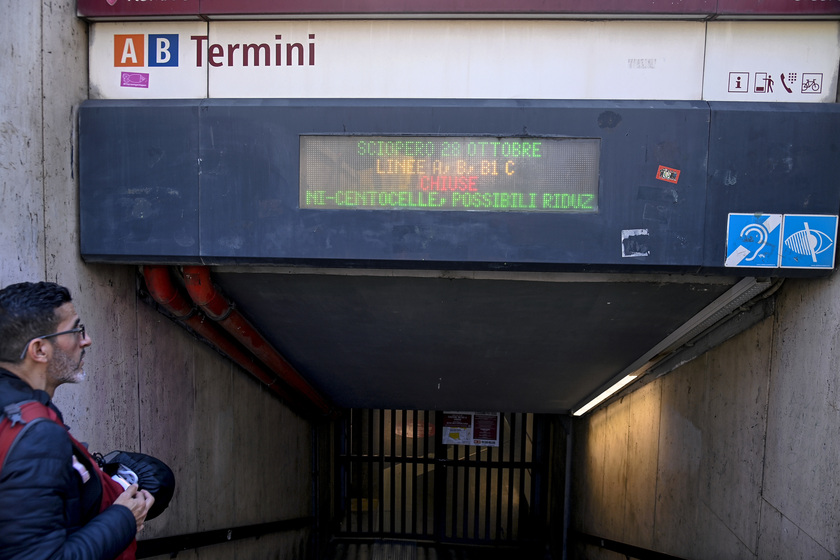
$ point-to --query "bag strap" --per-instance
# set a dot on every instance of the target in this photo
(16, 419)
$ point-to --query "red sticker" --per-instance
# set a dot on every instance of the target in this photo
(668, 174)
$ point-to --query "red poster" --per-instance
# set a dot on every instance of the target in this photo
(486, 429)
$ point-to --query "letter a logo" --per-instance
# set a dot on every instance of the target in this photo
(129, 50)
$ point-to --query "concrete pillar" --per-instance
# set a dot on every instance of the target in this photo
(239, 455)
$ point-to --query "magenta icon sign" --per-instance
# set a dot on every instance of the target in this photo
(134, 79)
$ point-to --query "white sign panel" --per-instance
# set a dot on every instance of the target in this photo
(401, 59)
(462, 59)
(772, 61)
(145, 61)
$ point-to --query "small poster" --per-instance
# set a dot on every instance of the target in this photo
(471, 428)
(457, 428)
(486, 429)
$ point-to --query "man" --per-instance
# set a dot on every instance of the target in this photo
(50, 495)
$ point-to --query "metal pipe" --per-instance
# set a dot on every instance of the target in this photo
(167, 295)
(202, 291)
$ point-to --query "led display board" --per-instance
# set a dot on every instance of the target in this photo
(449, 173)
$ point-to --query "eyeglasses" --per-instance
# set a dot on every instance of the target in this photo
(78, 330)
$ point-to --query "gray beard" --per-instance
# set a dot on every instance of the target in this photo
(63, 369)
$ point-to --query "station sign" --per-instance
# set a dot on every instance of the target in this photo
(146, 61)
(458, 59)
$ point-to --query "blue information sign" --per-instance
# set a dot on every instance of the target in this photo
(808, 241)
(752, 240)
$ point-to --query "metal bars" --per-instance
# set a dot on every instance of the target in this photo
(398, 481)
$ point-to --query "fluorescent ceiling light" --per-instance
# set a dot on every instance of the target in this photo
(734, 297)
(605, 395)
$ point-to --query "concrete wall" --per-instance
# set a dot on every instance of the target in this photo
(734, 455)
(240, 456)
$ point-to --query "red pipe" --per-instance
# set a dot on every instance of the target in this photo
(167, 295)
(218, 308)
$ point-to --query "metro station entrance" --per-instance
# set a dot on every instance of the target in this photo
(396, 479)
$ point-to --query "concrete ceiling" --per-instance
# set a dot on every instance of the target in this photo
(495, 341)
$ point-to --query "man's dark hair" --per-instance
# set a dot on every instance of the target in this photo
(27, 311)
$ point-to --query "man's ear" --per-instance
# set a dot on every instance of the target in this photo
(39, 350)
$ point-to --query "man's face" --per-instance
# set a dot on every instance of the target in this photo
(67, 360)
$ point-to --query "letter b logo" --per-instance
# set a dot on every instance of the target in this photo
(163, 50)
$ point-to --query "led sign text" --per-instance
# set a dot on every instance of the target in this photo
(434, 173)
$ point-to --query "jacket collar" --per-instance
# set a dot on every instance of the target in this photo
(14, 389)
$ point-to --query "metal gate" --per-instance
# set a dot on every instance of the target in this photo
(397, 480)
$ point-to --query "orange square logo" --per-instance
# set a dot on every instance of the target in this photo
(130, 50)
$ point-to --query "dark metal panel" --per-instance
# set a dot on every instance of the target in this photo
(139, 180)
(781, 158)
(148, 166)
(250, 168)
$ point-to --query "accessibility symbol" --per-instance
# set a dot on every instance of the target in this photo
(752, 240)
(809, 241)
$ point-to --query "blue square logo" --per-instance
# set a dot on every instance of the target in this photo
(808, 241)
(163, 50)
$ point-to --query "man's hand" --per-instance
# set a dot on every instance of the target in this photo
(138, 501)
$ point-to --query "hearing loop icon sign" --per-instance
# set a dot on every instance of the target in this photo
(781, 241)
(752, 240)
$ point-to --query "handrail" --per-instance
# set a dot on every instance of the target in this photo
(629, 550)
(179, 543)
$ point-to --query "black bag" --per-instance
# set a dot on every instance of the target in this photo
(149, 473)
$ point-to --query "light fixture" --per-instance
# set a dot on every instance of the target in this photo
(627, 380)
(733, 298)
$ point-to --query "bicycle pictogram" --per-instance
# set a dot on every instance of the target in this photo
(811, 83)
